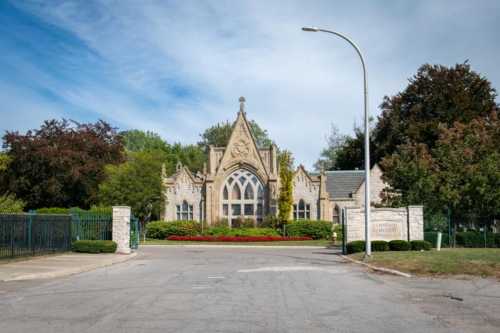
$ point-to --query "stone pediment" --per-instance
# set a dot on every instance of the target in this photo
(241, 148)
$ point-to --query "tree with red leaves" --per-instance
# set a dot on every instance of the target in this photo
(61, 164)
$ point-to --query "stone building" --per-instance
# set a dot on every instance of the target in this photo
(241, 180)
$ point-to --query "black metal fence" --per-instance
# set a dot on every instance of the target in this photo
(29, 234)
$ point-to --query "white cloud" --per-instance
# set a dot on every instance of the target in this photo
(295, 83)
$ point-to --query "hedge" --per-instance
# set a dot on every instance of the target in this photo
(355, 246)
(94, 246)
(226, 231)
(309, 228)
(236, 238)
(419, 245)
(163, 229)
(399, 245)
(476, 239)
(431, 237)
(380, 245)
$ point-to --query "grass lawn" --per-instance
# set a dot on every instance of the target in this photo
(282, 243)
(478, 262)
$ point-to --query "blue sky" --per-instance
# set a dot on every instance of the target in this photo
(177, 67)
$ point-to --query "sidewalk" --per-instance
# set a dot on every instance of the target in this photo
(58, 265)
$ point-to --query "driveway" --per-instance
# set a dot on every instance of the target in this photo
(175, 289)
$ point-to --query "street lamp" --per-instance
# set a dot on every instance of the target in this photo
(368, 248)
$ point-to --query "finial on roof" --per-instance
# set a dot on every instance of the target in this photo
(178, 167)
(242, 104)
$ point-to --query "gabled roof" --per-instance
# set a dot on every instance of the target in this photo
(343, 183)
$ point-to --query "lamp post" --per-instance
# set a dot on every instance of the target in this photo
(368, 250)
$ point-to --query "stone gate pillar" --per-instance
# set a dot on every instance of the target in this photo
(121, 228)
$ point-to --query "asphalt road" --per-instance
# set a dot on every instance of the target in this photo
(167, 289)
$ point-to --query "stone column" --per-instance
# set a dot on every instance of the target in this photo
(121, 228)
(415, 222)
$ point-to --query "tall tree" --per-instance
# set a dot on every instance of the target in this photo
(135, 183)
(218, 135)
(137, 140)
(285, 198)
(436, 96)
(60, 164)
(335, 141)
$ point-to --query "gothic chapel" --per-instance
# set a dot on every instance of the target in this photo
(241, 180)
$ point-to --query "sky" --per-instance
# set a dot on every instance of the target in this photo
(178, 67)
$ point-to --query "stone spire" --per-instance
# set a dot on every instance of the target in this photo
(242, 104)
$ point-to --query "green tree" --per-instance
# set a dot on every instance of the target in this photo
(218, 135)
(9, 204)
(61, 164)
(135, 183)
(436, 96)
(329, 155)
(137, 140)
(285, 199)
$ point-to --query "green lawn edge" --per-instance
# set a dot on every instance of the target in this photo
(324, 243)
(447, 262)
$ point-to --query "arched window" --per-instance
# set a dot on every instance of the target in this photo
(301, 211)
(246, 199)
(184, 211)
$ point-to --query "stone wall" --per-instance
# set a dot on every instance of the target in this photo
(183, 189)
(386, 223)
(121, 228)
(305, 189)
(377, 186)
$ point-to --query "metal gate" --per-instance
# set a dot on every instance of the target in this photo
(134, 232)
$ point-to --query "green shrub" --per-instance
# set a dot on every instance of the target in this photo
(163, 229)
(94, 246)
(9, 204)
(313, 229)
(269, 221)
(338, 229)
(225, 231)
(223, 222)
(419, 245)
(53, 210)
(399, 245)
(380, 245)
(355, 246)
(431, 237)
(475, 239)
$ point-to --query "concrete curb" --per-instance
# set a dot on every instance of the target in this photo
(71, 271)
(378, 269)
(238, 246)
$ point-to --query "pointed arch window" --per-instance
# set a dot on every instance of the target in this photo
(184, 211)
(242, 197)
(249, 192)
(301, 210)
(236, 193)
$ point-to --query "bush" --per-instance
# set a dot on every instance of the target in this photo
(431, 237)
(355, 246)
(236, 238)
(269, 221)
(419, 245)
(9, 204)
(399, 245)
(225, 231)
(94, 246)
(338, 229)
(313, 229)
(380, 245)
(223, 222)
(475, 239)
(162, 229)
(53, 210)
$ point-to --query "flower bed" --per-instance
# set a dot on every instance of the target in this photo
(236, 238)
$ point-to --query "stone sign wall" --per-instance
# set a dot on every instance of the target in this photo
(386, 223)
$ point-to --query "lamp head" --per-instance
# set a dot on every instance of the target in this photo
(310, 29)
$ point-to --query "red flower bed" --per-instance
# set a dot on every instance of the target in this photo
(236, 238)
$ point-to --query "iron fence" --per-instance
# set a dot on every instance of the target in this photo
(31, 234)
(92, 225)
